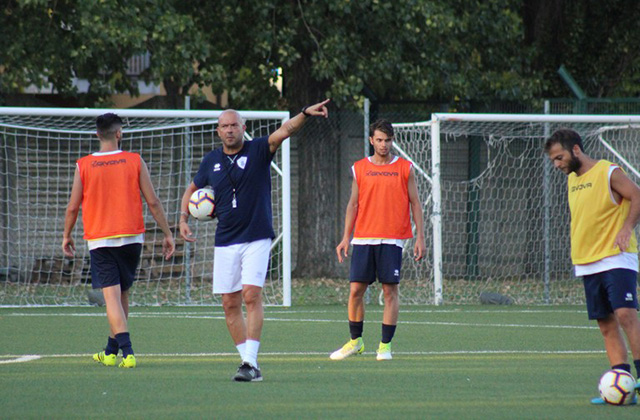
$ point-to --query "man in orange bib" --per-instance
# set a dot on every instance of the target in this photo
(383, 198)
(605, 209)
(107, 185)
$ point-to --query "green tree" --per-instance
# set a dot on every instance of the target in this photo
(400, 50)
(48, 43)
(597, 41)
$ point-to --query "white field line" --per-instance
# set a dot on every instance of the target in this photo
(218, 309)
(13, 358)
(19, 359)
(317, 320)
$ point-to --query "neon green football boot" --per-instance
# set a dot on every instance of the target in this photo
(105, 359)
(384, 351)
(128, 362)
(355, 346)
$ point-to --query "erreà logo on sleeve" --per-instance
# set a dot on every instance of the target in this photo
(581, 187)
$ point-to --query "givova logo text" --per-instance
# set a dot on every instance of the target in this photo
(581, 187)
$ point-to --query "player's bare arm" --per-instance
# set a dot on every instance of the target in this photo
(156, 209)
(420, 247)
(623, 188)
(71, 215)
(292, 126)
(349, 222)
(185, 230)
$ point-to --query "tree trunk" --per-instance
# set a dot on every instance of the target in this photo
(318, 213)
(174, 99)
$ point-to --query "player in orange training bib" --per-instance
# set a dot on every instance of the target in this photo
(107, 185)
(383, 199)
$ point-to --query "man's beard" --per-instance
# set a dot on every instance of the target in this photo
(574, 163)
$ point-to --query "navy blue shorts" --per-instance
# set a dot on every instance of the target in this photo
(111, 266)
(369, 261)
(610, 290)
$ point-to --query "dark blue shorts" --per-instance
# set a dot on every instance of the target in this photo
(111, 266)
(369, 261)
(610, 290)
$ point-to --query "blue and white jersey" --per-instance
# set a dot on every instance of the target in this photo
(249, 173)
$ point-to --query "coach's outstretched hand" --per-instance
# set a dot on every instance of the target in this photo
(317, 110)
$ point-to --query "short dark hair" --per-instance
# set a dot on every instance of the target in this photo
(381, 125)
(107, 124)
(566, 137)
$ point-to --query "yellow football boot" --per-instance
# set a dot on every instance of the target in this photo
(105, 359)
(128, 362)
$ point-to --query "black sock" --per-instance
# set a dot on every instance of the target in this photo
(112, 346)
(623, 366)
(387, 333)
(637, 364)
(124, 342)
(355, 328)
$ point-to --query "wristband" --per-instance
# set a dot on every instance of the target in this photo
(184, 213)
(304, 112)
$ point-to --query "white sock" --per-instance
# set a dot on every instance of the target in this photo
(251, 352)
(242, 349)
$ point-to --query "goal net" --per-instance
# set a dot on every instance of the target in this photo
(496, 212)
(37, 163)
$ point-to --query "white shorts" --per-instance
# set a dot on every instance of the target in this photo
(241, 264)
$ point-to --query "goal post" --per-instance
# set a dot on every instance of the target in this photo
(498, 219)
(39, 150)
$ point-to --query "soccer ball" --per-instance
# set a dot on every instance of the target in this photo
(617, 387)
(201, 204)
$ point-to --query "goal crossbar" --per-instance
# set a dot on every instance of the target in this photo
(141, 113)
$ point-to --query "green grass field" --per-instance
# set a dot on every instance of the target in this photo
(451, 362)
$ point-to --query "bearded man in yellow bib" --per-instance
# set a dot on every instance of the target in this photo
(605, 209)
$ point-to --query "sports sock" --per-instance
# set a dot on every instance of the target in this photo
(355, 328)
(637, 365)
(251, 352)
(242, 348)
(623, 366)
(387, 333)
(124, 342)
(112, 346)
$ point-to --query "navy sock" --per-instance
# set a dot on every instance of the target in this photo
(112, 346)
(623, 366)
(387, 333)
(637, 364)
(355, 328)
(124, 342)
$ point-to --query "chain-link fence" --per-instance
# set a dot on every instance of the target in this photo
(607, 106)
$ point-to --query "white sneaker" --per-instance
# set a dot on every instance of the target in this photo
(352, 347)
(384, 351)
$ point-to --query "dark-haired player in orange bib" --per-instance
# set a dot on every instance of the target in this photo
(384, 196)
(107, 185)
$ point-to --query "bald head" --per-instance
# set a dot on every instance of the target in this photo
(231, 131)
(231, 113)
